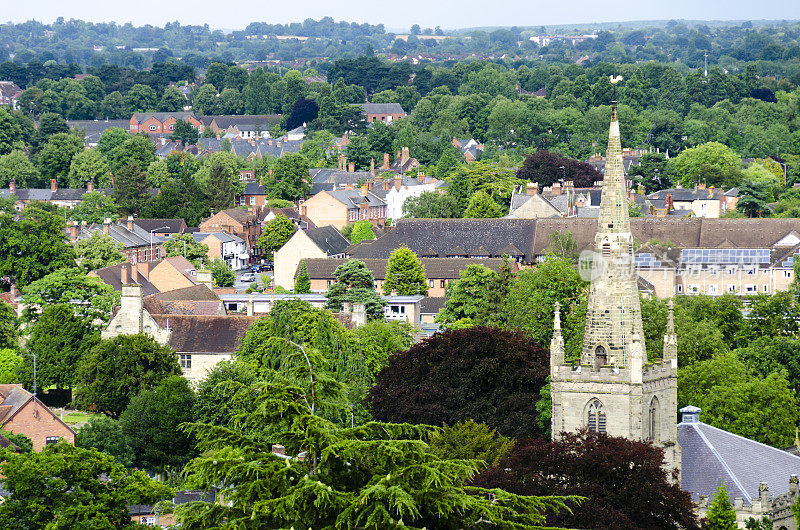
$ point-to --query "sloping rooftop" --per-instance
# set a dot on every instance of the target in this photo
(382, 108)
(328, 239)
(435, 268)
(443, 235)
(112, 275)
(205, 334)
(711, 455)
(171, 226)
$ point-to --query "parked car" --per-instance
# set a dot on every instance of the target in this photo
(268, 266)
(257, 268)
(248, 277)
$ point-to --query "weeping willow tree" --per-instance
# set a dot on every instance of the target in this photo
(349, 357)
(373, 476)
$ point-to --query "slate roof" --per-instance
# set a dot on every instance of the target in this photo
(352, 198)
(173, 226)
(205, 334)
(711, 455)
(112, 275)
(432, 304)
(119, 232)
(382, 108)
(93, 129)
(246, 121)
(328, 239)
(687, 194)
(435, 268)
(161, 116)
(337, 176)
(195, 292)
(443, 235)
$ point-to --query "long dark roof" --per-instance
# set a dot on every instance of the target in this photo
(382, 108)
(444, 235)
(435, 268)
(205, 334)
(328, 239)
(171, 226)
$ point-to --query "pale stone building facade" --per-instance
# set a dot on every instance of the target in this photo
(613, 388)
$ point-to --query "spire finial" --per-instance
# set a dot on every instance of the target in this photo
(557, 317)
(670, 317)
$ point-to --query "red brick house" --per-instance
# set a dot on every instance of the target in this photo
(161, 122)
(21, 413)
(239, 222)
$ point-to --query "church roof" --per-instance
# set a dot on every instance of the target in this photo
(711, 456)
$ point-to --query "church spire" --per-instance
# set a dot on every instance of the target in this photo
(613, 317)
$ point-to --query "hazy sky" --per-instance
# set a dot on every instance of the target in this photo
(236, 14)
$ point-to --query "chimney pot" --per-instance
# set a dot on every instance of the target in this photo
(129, 223)
(53, 185)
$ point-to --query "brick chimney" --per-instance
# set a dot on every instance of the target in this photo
(670, 205)
(13, 186)
(90, 186)
(532, 188)
(352, 167)
(386, 163)
(73, 230)
(13, 292)
(406, 155)
(364, 190)
(398, 181)
(700, 186)
(107, 225)
(125, 273)
(53, 185)
(556, 189)
(372, 166)
(129, 223)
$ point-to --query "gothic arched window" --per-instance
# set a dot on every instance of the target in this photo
(653, 420)
(596, 416)
(606, 248)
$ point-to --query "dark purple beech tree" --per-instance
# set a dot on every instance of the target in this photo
(623, 482)
(488, 375)
(545, 167)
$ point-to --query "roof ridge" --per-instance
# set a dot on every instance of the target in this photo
(721, 460)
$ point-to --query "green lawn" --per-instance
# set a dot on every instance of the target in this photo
(77, 417)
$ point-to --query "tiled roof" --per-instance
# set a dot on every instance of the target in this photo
(443, 235)
(195, 292)
(352, 198)
(328, 239)
(711, 455)
(435, 268)
(205, 334)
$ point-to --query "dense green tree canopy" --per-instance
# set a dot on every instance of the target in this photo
(405, 274)
(117, 369)
(67, 487)
(91, 298)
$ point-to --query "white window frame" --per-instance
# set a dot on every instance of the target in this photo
(750, 288)
(185, 360)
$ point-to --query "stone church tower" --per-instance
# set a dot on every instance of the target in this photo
(614, 389)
